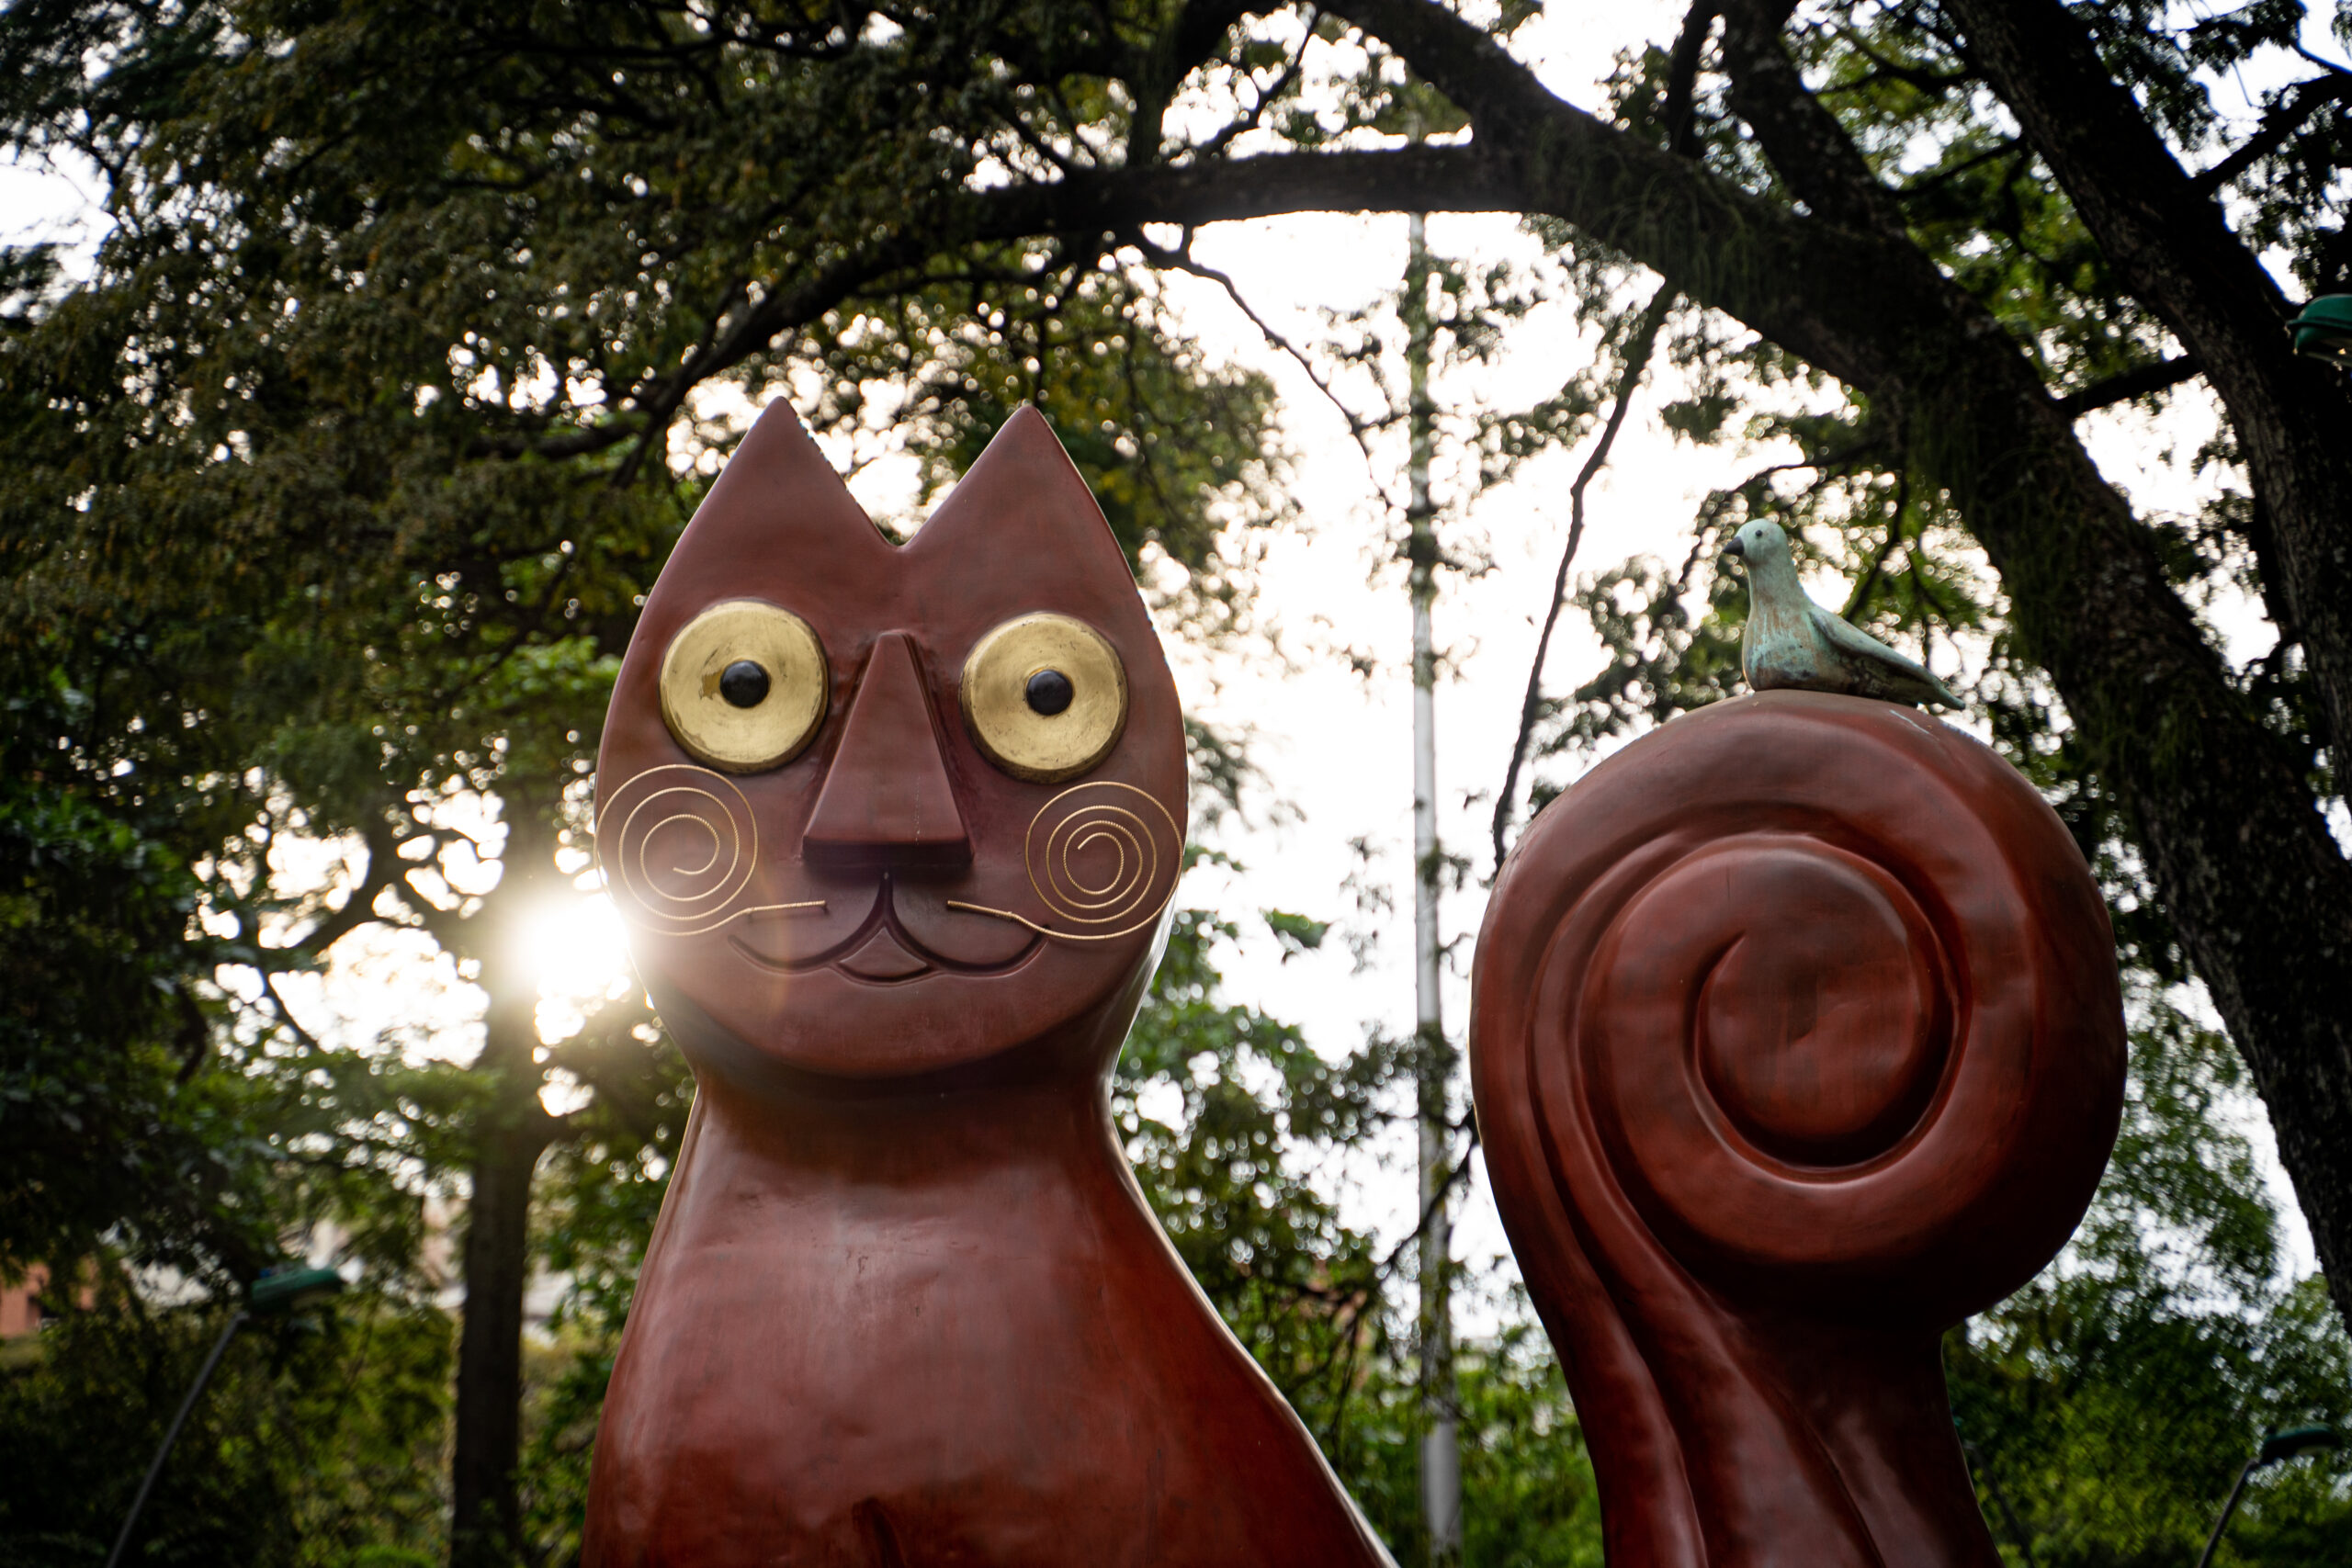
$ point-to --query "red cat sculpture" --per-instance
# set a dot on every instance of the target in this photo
(896, 830)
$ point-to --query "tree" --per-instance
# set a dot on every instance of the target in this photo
(102, 1026)
(316, 1445)
(730, 177)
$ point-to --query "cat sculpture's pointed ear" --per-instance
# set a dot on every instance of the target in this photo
(777, 507)
(1024, 498)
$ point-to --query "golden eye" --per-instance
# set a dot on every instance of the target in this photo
(743, 685)
(1045, 697)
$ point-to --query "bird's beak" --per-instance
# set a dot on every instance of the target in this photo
(1734, 551)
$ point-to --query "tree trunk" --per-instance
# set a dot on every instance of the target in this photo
(486, 1529)
(2172, 243)
(486, 1526)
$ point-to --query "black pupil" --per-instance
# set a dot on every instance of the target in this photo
(1050, 692)
(744, 684)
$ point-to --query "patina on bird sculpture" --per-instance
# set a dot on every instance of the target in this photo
(896, 831)
(1792, 644)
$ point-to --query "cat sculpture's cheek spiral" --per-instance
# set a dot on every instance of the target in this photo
(1102, 860)
(679, 845)
(1103, 857)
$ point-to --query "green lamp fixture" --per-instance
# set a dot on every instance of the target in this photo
(276, 1293)
(2279, 1447)
(2324, 330)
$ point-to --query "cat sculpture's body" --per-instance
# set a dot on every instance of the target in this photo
(896, 830)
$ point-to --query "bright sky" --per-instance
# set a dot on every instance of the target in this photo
(1334, 745)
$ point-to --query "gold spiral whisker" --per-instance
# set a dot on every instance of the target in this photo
(1120, 846)
(683, 816)
(669, 796)
(643, 887)
(1045, 931)
(1121, 892)
(1145, 847)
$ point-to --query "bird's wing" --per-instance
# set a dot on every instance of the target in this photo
(1879, 670)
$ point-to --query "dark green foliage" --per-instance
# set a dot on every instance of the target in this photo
(2114, 1399)
(1529, 1496)
(109, 1129)
(1226, 1173)
(1170, 443)
(599, 1194)
(1325, 1313)
(1322, 1310)
(316, 1446)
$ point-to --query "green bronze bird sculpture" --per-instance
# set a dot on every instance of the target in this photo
(1793, 642)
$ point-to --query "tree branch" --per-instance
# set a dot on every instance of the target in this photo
(1821, 290)
(1804, 140)
(385, 868)
(1682, 79)
(2278, 122)
(1643, 340)
(2126, 385)
(2173, 246)
(1359, 428)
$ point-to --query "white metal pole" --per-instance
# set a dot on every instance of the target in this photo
(1440, 1440)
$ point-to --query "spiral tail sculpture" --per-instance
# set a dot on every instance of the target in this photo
(1796, 1038)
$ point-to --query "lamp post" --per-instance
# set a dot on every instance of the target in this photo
(270, 1296)
(2279, 1447)
(2324, 330)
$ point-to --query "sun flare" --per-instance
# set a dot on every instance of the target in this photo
(574, 950)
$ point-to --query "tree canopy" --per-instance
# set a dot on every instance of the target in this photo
(447, 269)
(417, 330)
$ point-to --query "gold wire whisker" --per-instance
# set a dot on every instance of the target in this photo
(1048, 930)
(725, 918)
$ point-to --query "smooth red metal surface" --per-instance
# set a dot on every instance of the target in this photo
(887, 800)
(1796, 1038)
(905, 1304)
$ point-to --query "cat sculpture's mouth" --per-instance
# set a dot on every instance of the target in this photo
(880, 951)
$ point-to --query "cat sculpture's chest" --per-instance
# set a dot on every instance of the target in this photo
(997, 1364)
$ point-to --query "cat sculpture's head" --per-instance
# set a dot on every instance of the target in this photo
(874, 810)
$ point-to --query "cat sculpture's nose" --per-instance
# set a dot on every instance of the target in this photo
(886, 799)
